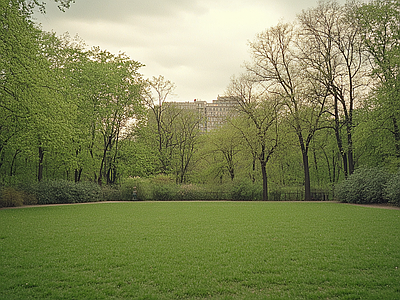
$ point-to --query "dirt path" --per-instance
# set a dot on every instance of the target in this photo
(382, 205)
(62, 204)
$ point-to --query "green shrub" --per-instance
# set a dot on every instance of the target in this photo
(246, 190)
(29, 198)
(364, 186)
(111, 193)
(62, 191)
(275, 195)
(190, 192)
(392, 190)
(10, 197)
(129, 185)
(165, 192)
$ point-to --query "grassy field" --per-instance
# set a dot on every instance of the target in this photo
(196, 250)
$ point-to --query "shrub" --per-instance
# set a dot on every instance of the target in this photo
(392, 190)
(165, 192)
(29, 198)
(275, 195)
(191, 192)
(140, 185)
(364, 186)
(111, 193)
(10, 197)
(246, 190)
(62, 191)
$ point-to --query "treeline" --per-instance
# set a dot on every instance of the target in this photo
(318, 99)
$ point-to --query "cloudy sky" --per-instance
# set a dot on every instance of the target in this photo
(197, 44)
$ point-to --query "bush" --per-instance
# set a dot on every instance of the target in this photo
(392, 190)
(364, 186)
(142, 187)
(10, 197)
(29, 198)
(111, 193)
(246, 190)
(165, 192)
(62, 191)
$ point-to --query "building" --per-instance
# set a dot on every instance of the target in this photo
(213, 114)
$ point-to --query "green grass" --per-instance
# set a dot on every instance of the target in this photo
(196, 250)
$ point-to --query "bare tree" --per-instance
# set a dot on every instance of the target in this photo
(331, 48)
(187, 133)
(261, 115)
(277, 66)
(155, 94)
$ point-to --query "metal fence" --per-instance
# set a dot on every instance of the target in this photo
(299, 196)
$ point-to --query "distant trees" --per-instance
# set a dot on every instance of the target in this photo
(174, 131)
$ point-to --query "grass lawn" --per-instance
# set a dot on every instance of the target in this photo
(196, 250)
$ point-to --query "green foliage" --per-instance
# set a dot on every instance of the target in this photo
(246, 190)
(111, 193)
(165, 192)
(365, 185)
(10, 197)
(392, 189)
(62, 191)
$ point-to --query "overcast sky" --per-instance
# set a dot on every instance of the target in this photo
(197, 44)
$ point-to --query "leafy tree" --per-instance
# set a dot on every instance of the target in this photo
(19, 48)
(379, 25)
(30, 94)
(224, 146)
(116, 101)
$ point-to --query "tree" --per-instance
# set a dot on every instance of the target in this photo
(261, 121)
(117, 100)
(379, 24)
(277, 66)
(187, 133)
(155, 95)
(30, 93)
(18, 49)
(333, 53)
(224, 144)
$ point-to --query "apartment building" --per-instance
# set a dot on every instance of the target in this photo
(213, 114)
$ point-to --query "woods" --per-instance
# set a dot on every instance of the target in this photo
(317, 100)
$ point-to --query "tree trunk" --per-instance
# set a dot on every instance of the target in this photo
(40, 167)
(350, 155)
(396, 134)
(12, 171)
(78, 173)
(339, 138)
(265, 180)
(306, 167)
(307, 183)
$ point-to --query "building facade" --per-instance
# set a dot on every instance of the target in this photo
(213, 114)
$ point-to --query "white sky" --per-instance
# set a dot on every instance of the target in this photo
(197, 44)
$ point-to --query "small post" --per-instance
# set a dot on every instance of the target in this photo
(134, 193)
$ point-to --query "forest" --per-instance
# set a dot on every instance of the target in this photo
(318, 104)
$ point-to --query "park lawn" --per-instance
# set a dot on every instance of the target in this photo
(196, 250)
